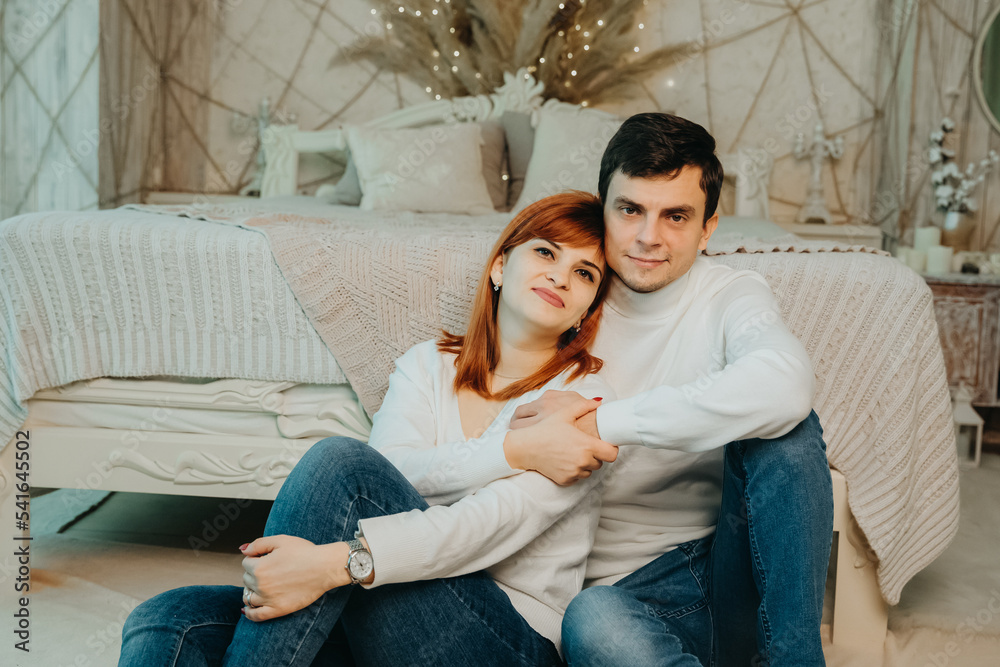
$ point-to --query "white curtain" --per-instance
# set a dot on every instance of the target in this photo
(49, 118)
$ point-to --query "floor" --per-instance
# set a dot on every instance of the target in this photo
(88, 577)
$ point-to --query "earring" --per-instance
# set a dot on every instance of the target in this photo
(577, 328)
(496, 288)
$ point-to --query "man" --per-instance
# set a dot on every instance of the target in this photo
(715, 412)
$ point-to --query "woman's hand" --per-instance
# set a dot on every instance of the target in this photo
(556, 435)
(286, 574)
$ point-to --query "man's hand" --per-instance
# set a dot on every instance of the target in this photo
(286, 574)
(556, 436)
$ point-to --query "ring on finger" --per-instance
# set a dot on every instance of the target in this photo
(247, 598)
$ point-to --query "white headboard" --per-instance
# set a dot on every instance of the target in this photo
(283, 143)
(749, 169)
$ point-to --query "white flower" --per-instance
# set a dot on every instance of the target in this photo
(947, 124)
(951, 170)
(937, 136)
(937, 177)
(943, 192)
(934, 154)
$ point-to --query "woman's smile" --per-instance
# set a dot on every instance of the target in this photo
(550, 296)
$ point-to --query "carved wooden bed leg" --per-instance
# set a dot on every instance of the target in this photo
(860, 615)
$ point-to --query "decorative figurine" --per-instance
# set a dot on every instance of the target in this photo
(814, 210)
(263, 120)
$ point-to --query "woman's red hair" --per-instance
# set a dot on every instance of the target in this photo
(572, 218)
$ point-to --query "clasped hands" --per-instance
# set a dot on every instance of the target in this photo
(556, 435)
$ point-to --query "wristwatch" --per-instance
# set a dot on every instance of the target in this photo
(359, 562)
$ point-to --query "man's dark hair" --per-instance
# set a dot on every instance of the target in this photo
(651, 145)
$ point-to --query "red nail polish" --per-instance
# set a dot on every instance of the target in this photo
(243, 611)
(599, 398)
(243, 547)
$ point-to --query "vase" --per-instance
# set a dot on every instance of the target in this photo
(957, 230)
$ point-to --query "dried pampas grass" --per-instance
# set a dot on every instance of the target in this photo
(583, 51)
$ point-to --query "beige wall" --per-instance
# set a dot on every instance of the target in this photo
(755, 74)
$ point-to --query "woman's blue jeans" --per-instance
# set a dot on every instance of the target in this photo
(751, 594)
(464, 620)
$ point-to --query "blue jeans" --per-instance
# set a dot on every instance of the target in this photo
(750, 594)
(464, 620)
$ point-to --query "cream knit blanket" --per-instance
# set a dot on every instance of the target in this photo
(373, 286)
(126, 293)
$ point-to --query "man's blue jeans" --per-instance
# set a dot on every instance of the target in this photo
(751, 594)
(464, 620)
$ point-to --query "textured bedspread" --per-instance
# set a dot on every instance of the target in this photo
(866, 320)
(129, 293)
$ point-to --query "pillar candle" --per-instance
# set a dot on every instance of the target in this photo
(939, 259)
(902, 253)
(916, 260)
(925, 237)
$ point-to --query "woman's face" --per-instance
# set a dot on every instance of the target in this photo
(546, 287)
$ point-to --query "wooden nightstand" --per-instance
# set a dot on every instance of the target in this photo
(967, 309)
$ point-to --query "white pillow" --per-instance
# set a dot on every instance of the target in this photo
(569, 143)
(430, 169)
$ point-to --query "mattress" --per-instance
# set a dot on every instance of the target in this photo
(207, 406)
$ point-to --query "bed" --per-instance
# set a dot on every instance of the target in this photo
(201, 348)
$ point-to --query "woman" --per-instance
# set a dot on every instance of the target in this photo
(484, 580)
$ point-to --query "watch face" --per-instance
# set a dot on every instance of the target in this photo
(361, 564)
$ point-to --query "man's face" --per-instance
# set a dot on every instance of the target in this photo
(653, 227)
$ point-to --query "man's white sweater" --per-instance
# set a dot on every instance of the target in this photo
(700, 363)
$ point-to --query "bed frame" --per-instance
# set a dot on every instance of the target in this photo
(241, 466)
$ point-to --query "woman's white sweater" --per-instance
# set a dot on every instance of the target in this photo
(531, 535)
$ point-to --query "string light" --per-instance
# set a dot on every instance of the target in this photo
(437, 97)
(401, 10)
(573, 72)
(451, 30)
(454, 68)
(586, 47)
(636, 49)
(428, 89)
(641, 26)
(388, 26)
(416, 13)
(541, 60)
(570, 56)
(434, 12)
(600, 21)
(456, 54)
(374, 12)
